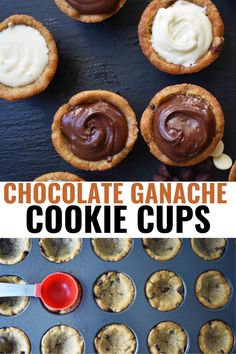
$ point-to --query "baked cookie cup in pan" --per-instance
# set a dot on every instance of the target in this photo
(14, 250)
(112, 249)
(90, 11)
(162, 249)
(115, 338)
(14, 341)
(181, 37)
(167, 337)
(164, 290)
(114, 291)
(62, 339)
(212, 289)
(60, 250)
(182, 125)
(215, 337)
(209, 249)
(95, 130)
(59, 176)
(28, 57)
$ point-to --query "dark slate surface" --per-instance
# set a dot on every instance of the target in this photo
(103, 56)
(88, 318)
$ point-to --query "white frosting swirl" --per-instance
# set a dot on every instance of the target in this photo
(24, 55)
(182, 33)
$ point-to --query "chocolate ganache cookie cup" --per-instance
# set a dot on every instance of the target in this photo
(28, 57)
(181, 36)
(182, 125)
(90, 11)
(95, 130)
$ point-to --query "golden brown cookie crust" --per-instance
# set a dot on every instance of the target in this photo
(14, 250)
(110, 249)
(60, 142)
(209, 249)
(164, 290)
(232, 174)
(114, 291)
(212, 289)
(162, 249)
(19, 93)
(62, 339)
(59, 176)
(15, 337)
(60, 250)
(145, 31)
(76, 15)
(115, 338)
(146, 125)
(168, 337)
(215, 336)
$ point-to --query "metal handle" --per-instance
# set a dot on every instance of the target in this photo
(11, 290)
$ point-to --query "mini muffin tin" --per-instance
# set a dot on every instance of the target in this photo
(88, 318)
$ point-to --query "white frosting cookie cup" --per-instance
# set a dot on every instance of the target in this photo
(24, 55)
(28, 57)
(181, 37)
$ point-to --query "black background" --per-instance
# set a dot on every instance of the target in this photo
(102, 56)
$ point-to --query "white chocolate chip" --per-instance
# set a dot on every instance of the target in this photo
(219, 149)
(223, 162)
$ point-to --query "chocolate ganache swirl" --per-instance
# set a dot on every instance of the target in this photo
(95, 131)
(94, 7)
(183, 126)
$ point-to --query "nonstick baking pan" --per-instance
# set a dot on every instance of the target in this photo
(88, 318)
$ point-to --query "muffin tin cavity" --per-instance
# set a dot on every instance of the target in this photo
(62, 339)
(132, 306)
(60, 250)
(13, 250)
(215, 337)
(115, 339)
(162, 249)
(212, 289)
(111, 249)
(209, 249)
(14, 341)
(164, 290)
(167, 337)
(114, 291)
(10, 306)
